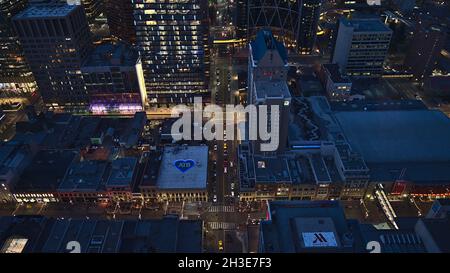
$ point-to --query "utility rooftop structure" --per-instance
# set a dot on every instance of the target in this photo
(272, 89)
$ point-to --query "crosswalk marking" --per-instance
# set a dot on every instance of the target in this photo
(221, 209)
(221, 225)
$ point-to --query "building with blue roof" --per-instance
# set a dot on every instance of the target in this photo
(267, 80)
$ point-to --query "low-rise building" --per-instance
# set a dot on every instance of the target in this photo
(114, 79)
(84, 182)
(338, 86)
(40, 180)
(182, 175)
(321, 226)
(307, 226)
(122, 178)
(14, 158)
(303, 173)
(36, 234)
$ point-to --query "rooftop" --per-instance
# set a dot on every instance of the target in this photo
(392, 136)
(391, 240)
(122, 172)
(271, 170)
(49, 10)
(46, 171)
(112, 54)
(183, 167)
(293, 224)
(152, 166)
(166, 235)
(335, 73)
(266, 41)
(366, 25)
(84, 176)
(395, 136)
(272, 89)
(23, 234)
(438, 231)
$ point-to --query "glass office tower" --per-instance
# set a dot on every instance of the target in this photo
(172, 37)
(16, 78)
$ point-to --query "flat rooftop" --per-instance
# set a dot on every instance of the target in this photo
(122, 172)
(269, 169)
(166, 235)
(84, 176)
(112, 54)
(396, 135)
(335, 74)
(292, 222)
(194, 175)
(46, 171)
(45, 11)
(150, 176)
(272, 89)
(366, 25)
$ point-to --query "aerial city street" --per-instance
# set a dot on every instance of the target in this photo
(95, 150)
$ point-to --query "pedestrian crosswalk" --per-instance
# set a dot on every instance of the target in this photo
(221, 209)
(221, 225)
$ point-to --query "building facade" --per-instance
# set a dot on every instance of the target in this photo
(361, 47)
(119, 14)
(56, 41)
(338, 86)
(267, 84)
(114, 79)
(310, 14)
(293, 22)
(426, 46)
(16, 78)
(173, 41)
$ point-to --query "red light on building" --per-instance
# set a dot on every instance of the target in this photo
(399, 187)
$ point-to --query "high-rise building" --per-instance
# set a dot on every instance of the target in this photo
(280, 16)
(294, 22)
(267, 83)
(119, 14)
(173, 41)
(56, 41)
(361, 46)
(240, 19)
(114, 79)
(425, 48)
(92, 8)
(15, 75)
(309, 20)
